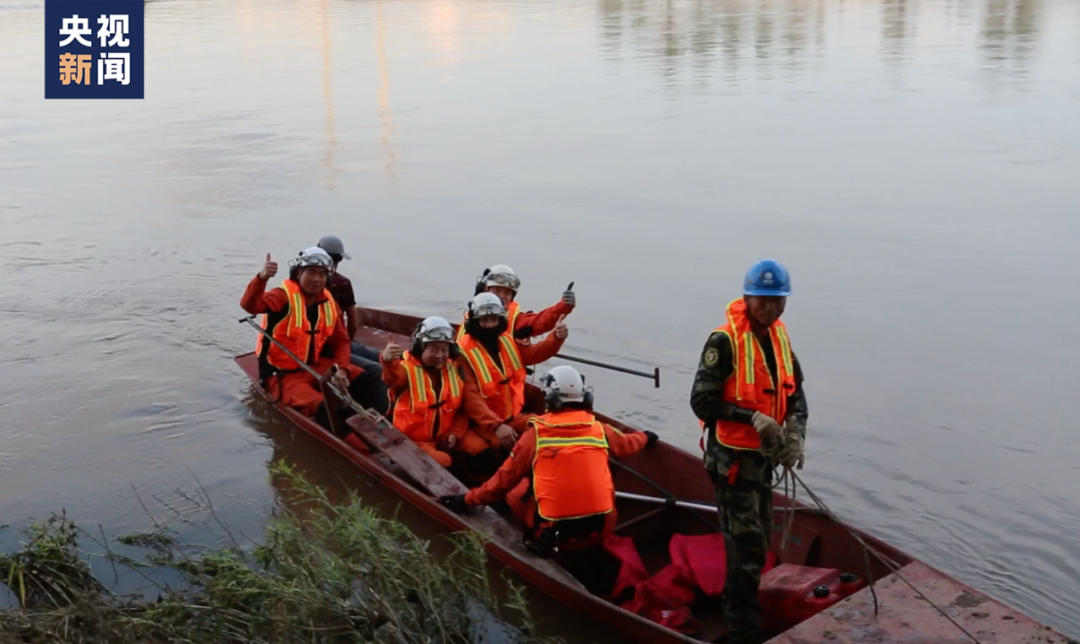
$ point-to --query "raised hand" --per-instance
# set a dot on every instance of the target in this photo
(560, 328)
(392, 352)
(269, 269)
(568, 296)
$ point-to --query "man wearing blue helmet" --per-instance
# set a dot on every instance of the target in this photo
(749, 397)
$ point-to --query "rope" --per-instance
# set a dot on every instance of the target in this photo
(889, 563)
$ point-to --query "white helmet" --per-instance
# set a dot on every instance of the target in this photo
(486, 304)
(564, 384)
(434, 329)
(314, 256)
(501, 275)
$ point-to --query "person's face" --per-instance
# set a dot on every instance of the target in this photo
(313, 280)
(765, 309)
(489, 321)
(435, 354)
(503, 293)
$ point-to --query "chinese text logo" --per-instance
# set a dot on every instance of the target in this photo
(94, 48)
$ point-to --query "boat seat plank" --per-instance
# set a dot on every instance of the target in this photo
(906, 617)
(437, 481)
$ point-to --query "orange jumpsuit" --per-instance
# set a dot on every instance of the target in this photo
(512, 480)
(299, 389)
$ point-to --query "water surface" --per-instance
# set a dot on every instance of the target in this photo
(914, 163)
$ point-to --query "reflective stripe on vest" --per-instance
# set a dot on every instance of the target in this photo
(294, 331)
(417, 420)
(571, 479)
(751, 386)
(503, 388)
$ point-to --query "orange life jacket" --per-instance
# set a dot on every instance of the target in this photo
(503, 388)
(293, 330)
(416, 410)
(512, 312)
(570, 471)
(751, 385)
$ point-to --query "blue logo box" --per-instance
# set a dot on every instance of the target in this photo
(94, 48)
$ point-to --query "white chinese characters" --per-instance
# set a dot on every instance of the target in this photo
(75, 28)
(114, 66)
(116, 26)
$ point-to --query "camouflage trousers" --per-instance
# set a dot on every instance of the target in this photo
(746, 521)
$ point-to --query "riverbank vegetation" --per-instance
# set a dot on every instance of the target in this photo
(328, 573)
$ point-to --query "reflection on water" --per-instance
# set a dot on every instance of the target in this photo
(384, 89)
(1010, 35)
(699, 38)
(914, 161)
(327, 74)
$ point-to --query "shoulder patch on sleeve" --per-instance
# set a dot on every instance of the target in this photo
(711, 356)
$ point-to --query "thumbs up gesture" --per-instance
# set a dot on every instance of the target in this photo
(560, 328)
(391, 353)
(568, 297)
(269, 269)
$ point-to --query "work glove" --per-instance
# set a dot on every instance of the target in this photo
(769, 430)
(653, 437)
(454, 502)
(569, 299)
(792, 453)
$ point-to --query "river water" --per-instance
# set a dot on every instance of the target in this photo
(915, 163)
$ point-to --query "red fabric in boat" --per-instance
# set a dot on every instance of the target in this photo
(631, 571)
(702, 560)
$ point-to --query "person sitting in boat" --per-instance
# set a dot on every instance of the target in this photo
(557, 480)
(302, 316)
(432, 400)
(341, 288)
(497, 363)
(502, 281)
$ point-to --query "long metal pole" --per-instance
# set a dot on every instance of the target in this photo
(690, 505)
(654, 376)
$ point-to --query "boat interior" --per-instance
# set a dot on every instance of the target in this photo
(813, 539)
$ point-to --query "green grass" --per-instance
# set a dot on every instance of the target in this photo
(326, 573)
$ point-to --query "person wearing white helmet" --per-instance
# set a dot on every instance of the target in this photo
(303, 316)
(502, 281)
(557, 479)
(427, 389)
(497, 364)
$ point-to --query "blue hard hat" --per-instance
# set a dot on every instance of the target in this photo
(767, 277)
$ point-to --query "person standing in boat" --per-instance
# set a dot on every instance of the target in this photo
(303, 316)
(341, 288)
(501, 281)
(557, 480)
(432, 399)
(497, 364)
(749, 397)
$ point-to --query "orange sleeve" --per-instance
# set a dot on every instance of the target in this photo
(476, 407)
(622, 444)
(394, 374)
(509, 475)
(541, 351)
(256, 300)
(544, 321)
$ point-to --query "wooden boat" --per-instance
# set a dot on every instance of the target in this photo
(814, 540)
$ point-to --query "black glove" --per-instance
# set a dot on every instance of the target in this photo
(653, 437)
(455, 502)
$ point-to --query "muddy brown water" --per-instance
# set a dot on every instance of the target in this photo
(914, 163)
